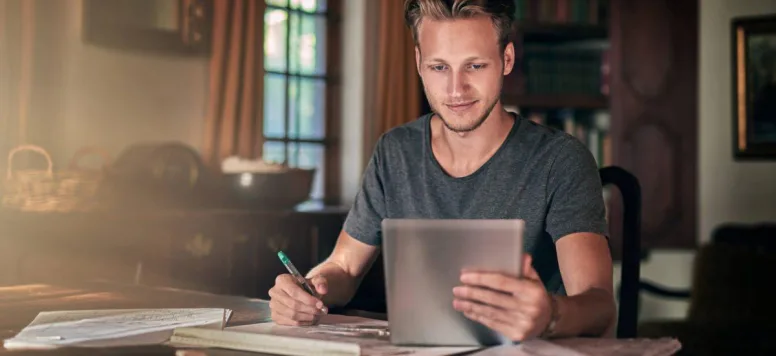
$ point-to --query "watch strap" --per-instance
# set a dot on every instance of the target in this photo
(549, 331)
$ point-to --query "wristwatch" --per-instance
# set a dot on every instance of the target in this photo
(549, 331)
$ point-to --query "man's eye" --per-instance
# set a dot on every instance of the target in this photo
(438, 68)
(478, 66)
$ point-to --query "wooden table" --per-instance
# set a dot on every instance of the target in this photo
(20, 304)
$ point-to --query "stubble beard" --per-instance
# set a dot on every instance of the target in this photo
(469, 128)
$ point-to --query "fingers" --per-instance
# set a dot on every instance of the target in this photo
(283, 312)
(515, 326)
(486, 296)
(515, 334)
(290, 304)
(495, 281)
(471, 298)
(482, 310)
(287, 284)
(518, 332)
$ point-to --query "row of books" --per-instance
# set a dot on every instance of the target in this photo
(563, 71)
(589, 127)
(562, 11)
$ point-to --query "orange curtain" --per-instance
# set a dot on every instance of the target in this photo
(396, 97)
(17, 59)
(235, 104)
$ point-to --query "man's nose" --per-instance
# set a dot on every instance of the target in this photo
(457, 83)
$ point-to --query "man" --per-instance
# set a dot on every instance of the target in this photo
(472, 159)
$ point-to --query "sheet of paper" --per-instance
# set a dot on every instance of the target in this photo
(587, 347)
(370, 334)
(605, 347)
(112, 327)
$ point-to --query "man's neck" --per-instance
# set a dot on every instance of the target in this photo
(465, 152)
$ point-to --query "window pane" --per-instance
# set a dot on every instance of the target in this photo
(308, 108)
(274, 105)
(309, 155)
(308, 45)
(275, 36)
(274, 152)
(309, 5)
(277, 2)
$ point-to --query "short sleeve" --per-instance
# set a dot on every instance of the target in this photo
(575, 195)
(368, 211)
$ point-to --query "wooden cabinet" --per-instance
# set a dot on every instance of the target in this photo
(654, 63)
(217, 251)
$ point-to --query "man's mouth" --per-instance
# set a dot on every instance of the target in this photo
(460, 107)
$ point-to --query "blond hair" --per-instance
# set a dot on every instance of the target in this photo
(501, 13)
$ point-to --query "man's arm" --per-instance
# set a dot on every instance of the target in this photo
(586, 267)
(576, 221)
(359, 242)
(337, 279)
(344, 269)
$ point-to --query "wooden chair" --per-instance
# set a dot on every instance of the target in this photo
(731, 309)
(628, 293)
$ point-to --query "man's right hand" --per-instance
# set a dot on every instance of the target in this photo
(292, 305)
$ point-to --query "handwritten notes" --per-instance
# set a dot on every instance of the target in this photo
(111, 327)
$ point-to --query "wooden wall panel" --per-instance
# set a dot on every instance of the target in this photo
(654, 113)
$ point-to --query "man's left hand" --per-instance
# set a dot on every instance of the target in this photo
(519, 308)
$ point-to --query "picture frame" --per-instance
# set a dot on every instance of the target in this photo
(754, 87)
(169, 27)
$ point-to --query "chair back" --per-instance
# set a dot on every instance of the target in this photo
(630, 190)
(732, 274)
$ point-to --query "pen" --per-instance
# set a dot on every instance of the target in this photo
(298, 276)
(380, 331)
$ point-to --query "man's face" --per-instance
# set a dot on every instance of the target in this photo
(462, 68)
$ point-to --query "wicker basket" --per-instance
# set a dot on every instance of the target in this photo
(30, 190)
(73, 189)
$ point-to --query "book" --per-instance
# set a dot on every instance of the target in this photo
(111, 327)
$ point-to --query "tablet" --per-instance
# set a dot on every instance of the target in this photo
(423, 259)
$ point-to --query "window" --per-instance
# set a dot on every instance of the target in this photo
(296, 86)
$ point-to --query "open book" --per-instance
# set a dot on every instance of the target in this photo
(334, 335)
(118, 327)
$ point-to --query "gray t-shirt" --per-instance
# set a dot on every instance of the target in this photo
(539, 174)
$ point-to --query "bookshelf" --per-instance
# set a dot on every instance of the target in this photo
(561, 74)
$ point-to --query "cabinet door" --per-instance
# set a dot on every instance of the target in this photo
(654, 114)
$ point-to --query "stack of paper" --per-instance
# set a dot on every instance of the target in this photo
(122, 327)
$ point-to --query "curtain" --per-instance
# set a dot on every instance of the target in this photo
(17, 57)
(234, 119)
(395, 99)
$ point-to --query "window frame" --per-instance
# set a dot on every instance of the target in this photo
(331, 78)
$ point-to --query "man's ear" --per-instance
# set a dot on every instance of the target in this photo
(509, 58)
(417, 59)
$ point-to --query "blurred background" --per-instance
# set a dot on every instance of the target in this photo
(181, 142)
